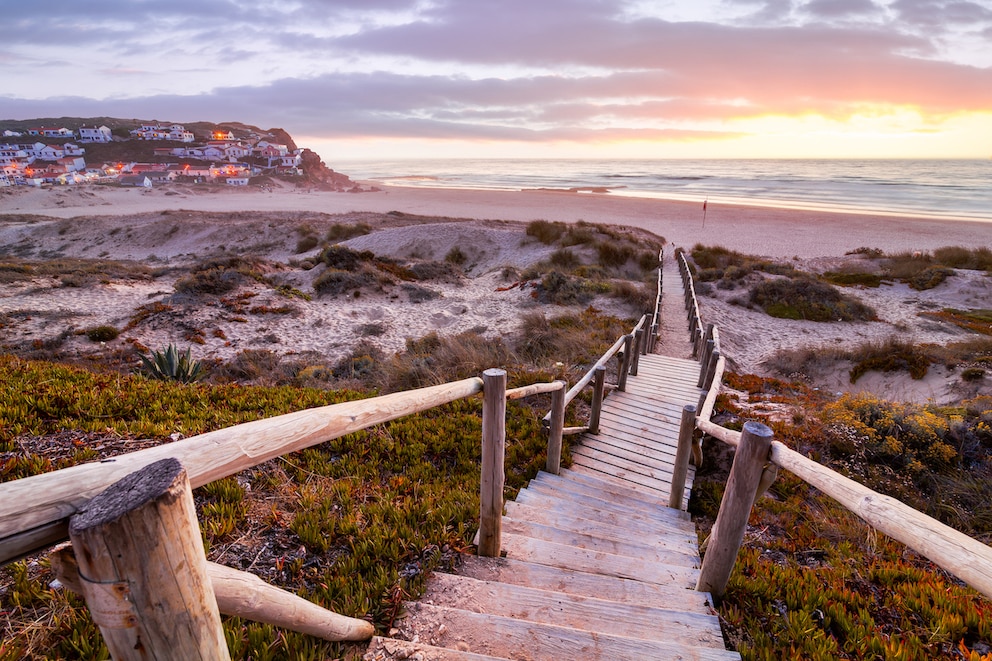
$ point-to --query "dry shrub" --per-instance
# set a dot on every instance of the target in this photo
(434, 359)
(809, 299)
(345, 231)
(545, 231)
(890, 356)
(573, 339)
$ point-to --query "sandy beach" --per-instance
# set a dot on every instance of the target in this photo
(765, 231)
(175, 227)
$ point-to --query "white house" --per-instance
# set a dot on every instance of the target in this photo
(135, 180)
(95, 134)
(237, 181)
(73, 163)
(73, 150)
(50, 132)
(51, 152)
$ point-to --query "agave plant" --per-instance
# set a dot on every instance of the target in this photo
(170, 365)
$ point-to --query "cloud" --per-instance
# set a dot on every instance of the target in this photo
(516, 70)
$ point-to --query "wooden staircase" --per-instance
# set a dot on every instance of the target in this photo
(596, 565)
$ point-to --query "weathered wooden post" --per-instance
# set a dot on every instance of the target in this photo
(705, 360)
(246, 595)
(710, 370)
(553, 464)
(493, 456)
(598, 388)
(143, 568)
(735, 508)
(635, 358)
(628, 340)
(704, 348)
(682, 452)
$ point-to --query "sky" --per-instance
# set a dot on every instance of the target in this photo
(377, 79)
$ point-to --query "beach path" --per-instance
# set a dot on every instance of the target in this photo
(596, 565)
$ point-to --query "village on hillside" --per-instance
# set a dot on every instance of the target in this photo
(51, 156)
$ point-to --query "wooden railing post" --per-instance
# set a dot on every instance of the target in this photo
(628, 340)
(703, 348)
(144, 570)
(553, 464)
(493, 455)
(707, 378)
(686, 428)
(598, 388)
(735, 509)
(705, 359)
(635, 358)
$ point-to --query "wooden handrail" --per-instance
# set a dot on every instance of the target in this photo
(965, 557)
(34, 511)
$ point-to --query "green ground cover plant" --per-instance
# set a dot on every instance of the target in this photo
(354, 524)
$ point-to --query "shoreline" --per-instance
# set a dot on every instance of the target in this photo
(759, 230)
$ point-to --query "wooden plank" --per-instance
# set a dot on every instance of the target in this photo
(574, 502)
(392, 649)
(656, 458)
(638, 429)
(568, 581)
(555, 507)
(654, 414)
(506, 636)
(651, 439)
(638, 406)
(587, 614)
(648, 500)
(616, 486)
(582, 473)
(619, 457)
(668, 382)
(653, 534)
(597, 562)
(674, 374)
(652, 504)
(665, 392)
(683, 554)
(621, 474)
(578, 493)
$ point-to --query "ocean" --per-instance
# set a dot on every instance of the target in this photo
(953, 189)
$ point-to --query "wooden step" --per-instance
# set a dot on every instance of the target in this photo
(651, 455)
(620, 473)
(574, 494)
(585, 613)
(519, 639)
(604, 483)
(625, 497)
(594, 542)
(578, 473)
(625, 462)
(661, 490)
(392, 649)
(597, 562)
(651, 534)
(574, 582)
(596, 510)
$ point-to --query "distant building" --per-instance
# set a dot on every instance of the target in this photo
(135, 181)
(95, 134)
(49, 132)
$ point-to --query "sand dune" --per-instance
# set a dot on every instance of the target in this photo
(172, 227)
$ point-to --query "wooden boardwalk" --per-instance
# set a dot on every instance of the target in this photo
(596, 565)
